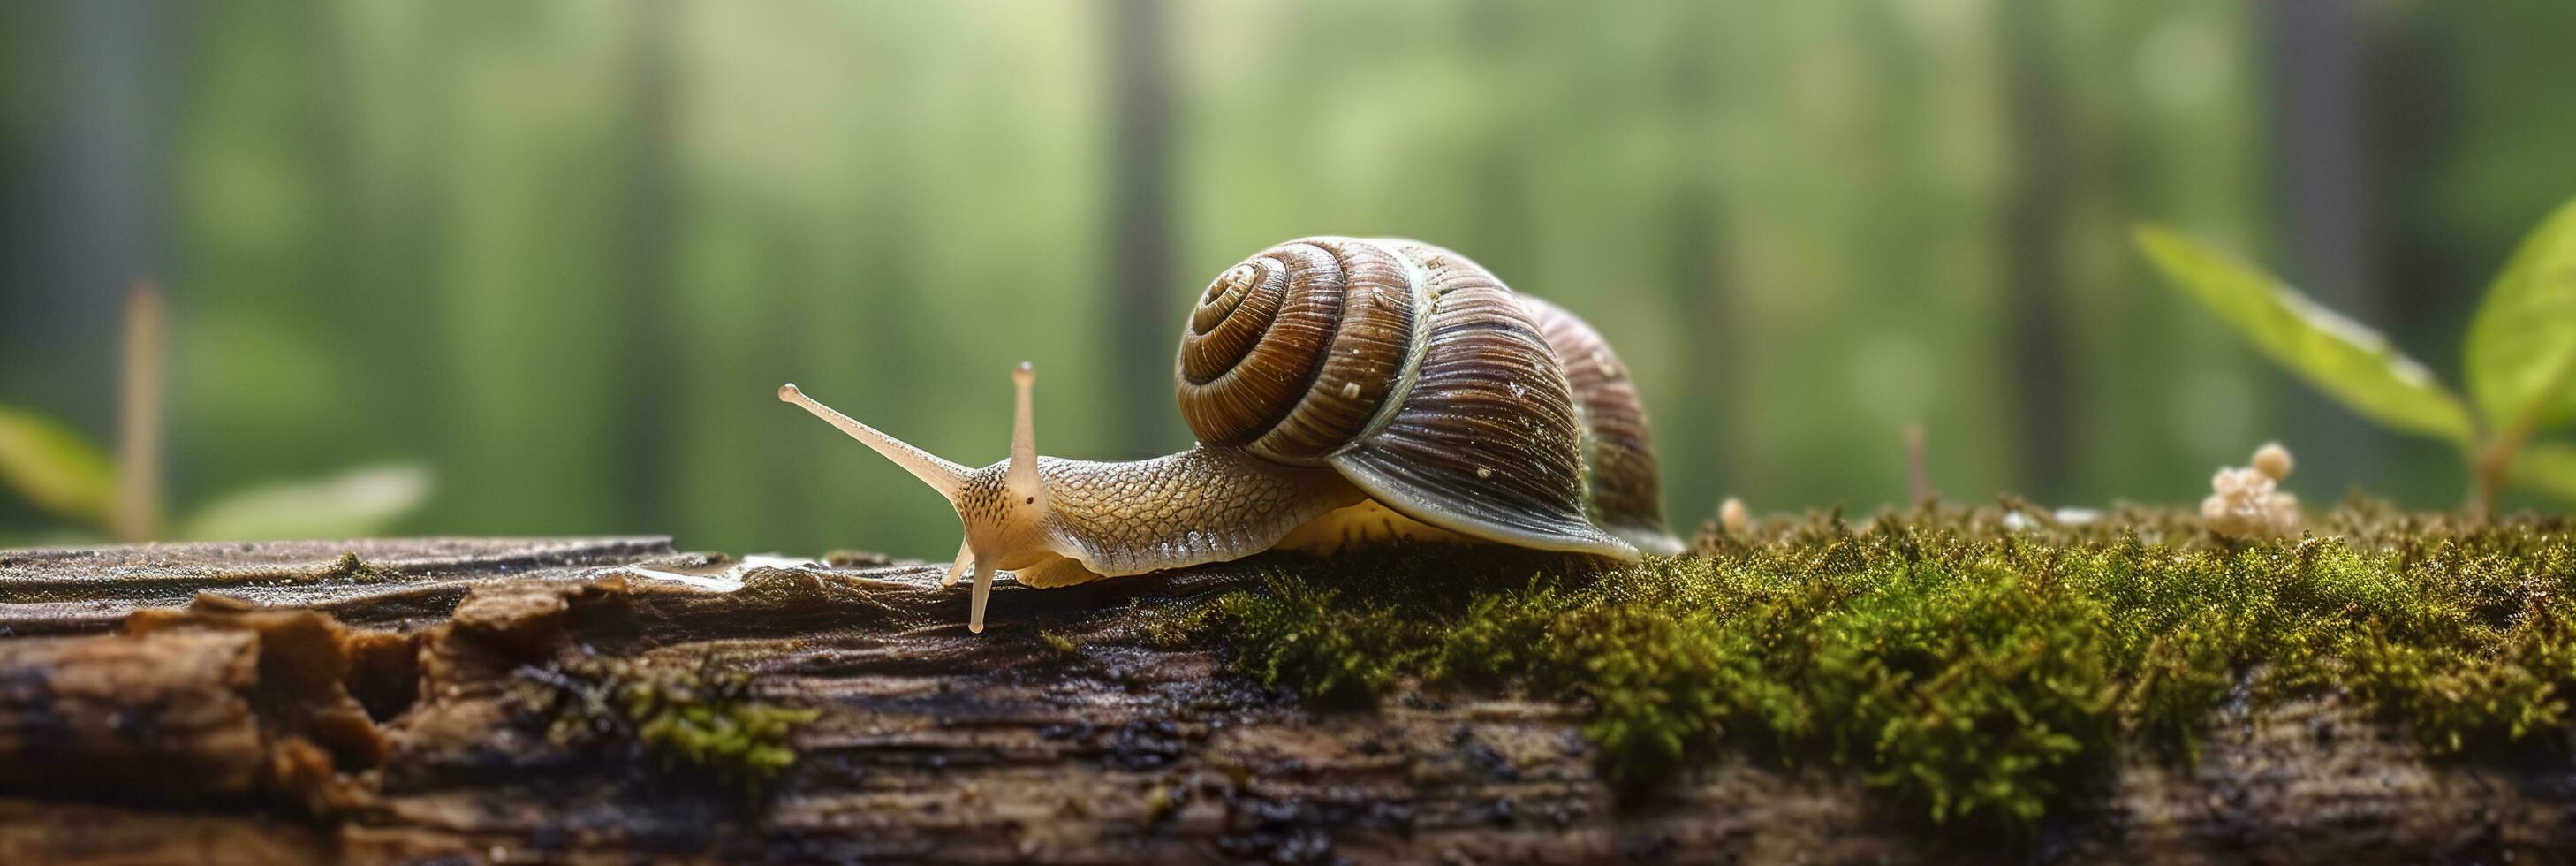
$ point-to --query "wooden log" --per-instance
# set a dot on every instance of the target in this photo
(405, 681)
(104, 716)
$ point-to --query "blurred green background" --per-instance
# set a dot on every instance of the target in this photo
(562, 253)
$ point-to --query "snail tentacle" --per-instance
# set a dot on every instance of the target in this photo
(942, 475)
(983, 594)
(965, 560)
(1022, 476)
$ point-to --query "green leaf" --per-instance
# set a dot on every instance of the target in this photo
(356, 503)
(2349, 362)
(55, 468)
(2547, 467)
(2522, 344)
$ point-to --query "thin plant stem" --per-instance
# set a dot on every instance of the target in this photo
(2494, 462)
(138, 480)
(1918, 476)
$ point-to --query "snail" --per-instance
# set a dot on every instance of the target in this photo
(1343, 391)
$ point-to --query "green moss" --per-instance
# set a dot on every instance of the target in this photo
(1063, 646)
(1295, 636)
(1984, 674)
(351, 565)
(699, 718)
(2491, 693)
(1168, 626)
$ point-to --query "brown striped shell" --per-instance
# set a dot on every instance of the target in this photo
(1425, 382)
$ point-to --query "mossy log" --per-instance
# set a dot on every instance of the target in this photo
(420, 701)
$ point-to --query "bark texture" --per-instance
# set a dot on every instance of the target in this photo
(369, 702)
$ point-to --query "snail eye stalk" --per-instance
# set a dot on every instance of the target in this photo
(941, 475)
(1022, 475)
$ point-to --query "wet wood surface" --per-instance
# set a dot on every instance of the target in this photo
(361, 702)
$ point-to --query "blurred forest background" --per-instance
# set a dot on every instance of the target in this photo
(562, 253)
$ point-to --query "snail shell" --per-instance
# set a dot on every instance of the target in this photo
(1422, 380)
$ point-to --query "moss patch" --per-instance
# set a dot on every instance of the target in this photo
(1060, 645)
(350, 565)
(696, 718)
(1987, 670)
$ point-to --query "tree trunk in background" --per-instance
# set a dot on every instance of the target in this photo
(2039, 364)
(648, 172)
(1140, 224)
(1714, 360)
(2330, 204)
(89, 209)
(1711, 355)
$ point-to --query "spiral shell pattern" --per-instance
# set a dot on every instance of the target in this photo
(1292, 353)
(1421, 380)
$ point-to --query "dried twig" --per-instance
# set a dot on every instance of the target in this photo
(138, 479)
(1918, 477)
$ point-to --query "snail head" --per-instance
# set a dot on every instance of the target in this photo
(1004, 506)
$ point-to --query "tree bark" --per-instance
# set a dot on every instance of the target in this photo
(356, 702)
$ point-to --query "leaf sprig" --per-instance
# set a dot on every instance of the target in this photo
(2520, 355)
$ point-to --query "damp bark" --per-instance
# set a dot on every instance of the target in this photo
(403, 701)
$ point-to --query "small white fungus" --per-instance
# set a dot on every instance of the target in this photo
(2273, 460)
(2248, 503)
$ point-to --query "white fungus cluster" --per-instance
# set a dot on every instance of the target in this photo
(2248, 503)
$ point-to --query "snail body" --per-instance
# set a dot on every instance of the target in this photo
(1343, 391)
